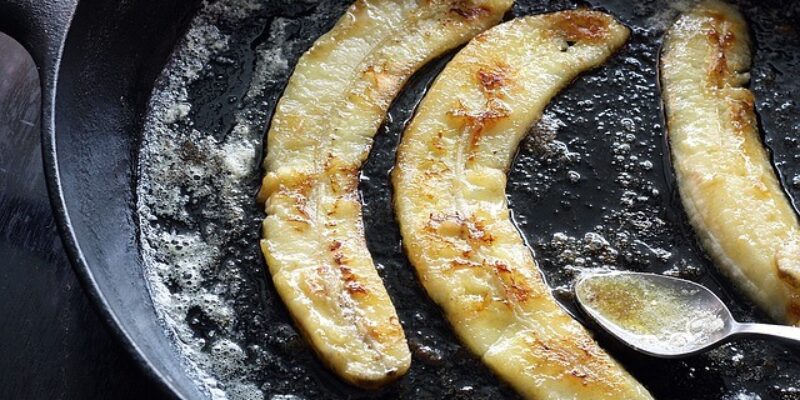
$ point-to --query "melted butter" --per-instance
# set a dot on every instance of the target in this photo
(654, 315)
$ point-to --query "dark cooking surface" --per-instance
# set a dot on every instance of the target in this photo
(597, 114)
(612, 182)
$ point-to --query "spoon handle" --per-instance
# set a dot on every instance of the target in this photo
(786, 333)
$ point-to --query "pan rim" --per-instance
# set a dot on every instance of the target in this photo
(49, 71)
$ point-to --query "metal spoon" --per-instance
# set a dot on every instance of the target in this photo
(700, 298)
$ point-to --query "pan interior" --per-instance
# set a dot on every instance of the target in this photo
(591, 188)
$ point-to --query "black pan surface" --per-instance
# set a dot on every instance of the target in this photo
(591, 187)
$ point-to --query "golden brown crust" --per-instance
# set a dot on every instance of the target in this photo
(469, 9)
(721, 39)
(580, 26)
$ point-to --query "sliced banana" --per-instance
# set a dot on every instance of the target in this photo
(313, 238)
(450, 200)
(728, 186)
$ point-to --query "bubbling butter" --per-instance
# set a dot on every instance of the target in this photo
(656, 315)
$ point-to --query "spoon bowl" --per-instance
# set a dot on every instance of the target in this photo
(663, 316)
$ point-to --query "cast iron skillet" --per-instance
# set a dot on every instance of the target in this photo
(99, 60)
(102, 75)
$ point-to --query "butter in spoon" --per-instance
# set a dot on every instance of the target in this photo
(663, 316)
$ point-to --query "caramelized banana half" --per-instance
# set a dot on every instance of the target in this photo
(313, 237)
(727, 184)
(449, 195)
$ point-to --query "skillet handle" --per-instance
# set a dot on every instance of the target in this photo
(41, 27)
